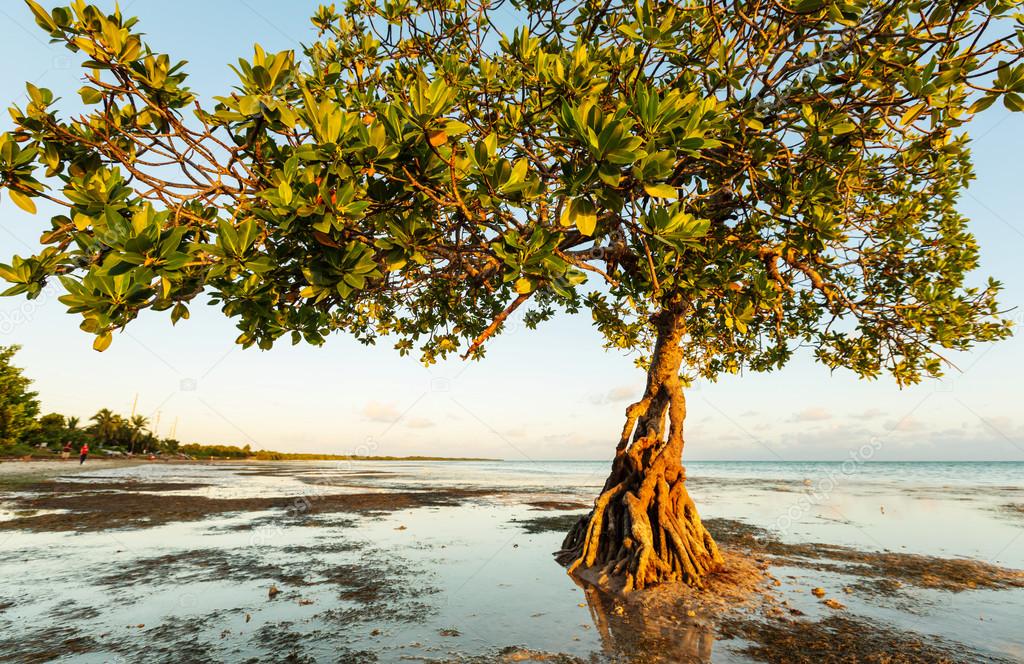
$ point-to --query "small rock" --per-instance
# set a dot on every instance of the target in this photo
(248, 617)
(848, 590)
(449, 632)
(305, 602)
(833, 604)
(581, 605)
(141, 625)
(401, 528)
(691, 613)
(272, 593)
(818, 592)
(375, 632)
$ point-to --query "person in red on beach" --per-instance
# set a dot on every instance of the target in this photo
(83, 453)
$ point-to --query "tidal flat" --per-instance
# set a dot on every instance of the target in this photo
(356, 561)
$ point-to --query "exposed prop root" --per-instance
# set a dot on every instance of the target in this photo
(645, 534)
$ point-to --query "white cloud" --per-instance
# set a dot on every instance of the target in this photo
(905, 424)
(419, 423)
(376, 411)
(617, 394)
(622, 393)
(812, 414)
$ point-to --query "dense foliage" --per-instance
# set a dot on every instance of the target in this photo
(785, 171)
(18, 404)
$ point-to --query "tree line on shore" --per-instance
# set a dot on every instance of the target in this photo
(24, 431)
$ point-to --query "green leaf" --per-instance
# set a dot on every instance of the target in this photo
(523, 285)
(23, 201)
(180, 311)
(102, 342)
(1013, 102)
(911, 114)
(42, 16)
(90, 95)
(581, 213)
(455, 127)
(661, 190)
(284, 190)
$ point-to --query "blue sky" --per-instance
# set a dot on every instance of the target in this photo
(552, 393)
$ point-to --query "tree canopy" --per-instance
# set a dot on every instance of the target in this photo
(786, 172)
(18, 404)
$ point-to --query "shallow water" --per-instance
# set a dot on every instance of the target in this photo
(454, 582)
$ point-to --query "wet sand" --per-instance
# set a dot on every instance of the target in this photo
(379, 562)
(11, 469)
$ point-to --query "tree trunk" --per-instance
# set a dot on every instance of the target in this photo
(644, 528)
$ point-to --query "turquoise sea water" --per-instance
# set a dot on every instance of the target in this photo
(942, 472)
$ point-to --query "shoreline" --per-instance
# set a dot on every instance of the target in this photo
(16, 470)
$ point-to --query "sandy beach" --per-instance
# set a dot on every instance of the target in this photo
(40, 469)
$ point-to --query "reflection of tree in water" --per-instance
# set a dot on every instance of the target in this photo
(637, 630)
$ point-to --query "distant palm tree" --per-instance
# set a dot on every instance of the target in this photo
(72, 423)
(136, 427)
(107, 425)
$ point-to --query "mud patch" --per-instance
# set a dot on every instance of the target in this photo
(1012, 510)
(560, 523)
(382, 593)
(516, 655)
(66, 612)
(46, 645)
(377, 590)
(175, 639)
(127, 486)
(952, 574)
(89, 510)
(198, 565)
(842, 639)
(557, 505)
